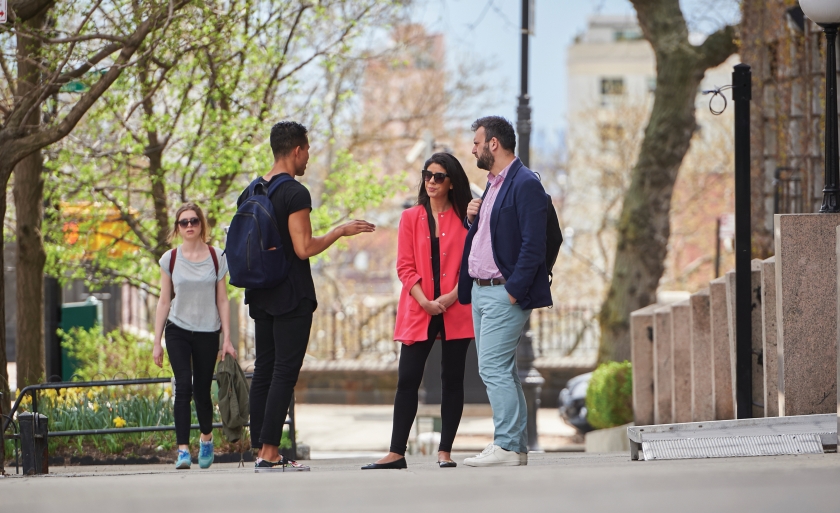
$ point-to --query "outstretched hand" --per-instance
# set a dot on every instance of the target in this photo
(356, 227)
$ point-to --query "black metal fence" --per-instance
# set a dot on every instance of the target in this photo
(32, 464)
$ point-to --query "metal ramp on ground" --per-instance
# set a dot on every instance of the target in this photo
(772, 436)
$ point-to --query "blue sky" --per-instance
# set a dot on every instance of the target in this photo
(494, 38)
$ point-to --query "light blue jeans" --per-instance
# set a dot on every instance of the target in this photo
(498, 326)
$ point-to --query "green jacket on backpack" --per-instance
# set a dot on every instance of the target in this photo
(233, 397)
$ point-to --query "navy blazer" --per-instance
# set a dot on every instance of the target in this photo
(517, 236)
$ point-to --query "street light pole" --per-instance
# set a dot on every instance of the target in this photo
(531, 379)
(831, 192)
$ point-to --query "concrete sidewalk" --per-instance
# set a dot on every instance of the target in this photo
(551, 482)
(333, 430)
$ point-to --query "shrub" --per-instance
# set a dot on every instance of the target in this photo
(609, 397)
(100, 356)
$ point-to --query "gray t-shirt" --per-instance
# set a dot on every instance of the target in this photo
(194, 306)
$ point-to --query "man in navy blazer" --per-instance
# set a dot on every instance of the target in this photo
(504, 276)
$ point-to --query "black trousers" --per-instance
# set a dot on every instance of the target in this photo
(412, 364)
(280, 343)
(193, 358)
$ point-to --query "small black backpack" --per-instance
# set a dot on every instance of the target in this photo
(553, 238)
(553, 234)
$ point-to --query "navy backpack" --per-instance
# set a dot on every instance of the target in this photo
(254, 249)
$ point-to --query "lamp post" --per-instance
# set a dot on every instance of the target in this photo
(826, 13)
(530, 377)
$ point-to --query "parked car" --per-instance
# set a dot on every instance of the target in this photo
(573, 402)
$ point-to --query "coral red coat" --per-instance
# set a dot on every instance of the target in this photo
(414, 263)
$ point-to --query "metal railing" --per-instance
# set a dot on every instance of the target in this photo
(787, 191)
(359, 332)
(33, 390)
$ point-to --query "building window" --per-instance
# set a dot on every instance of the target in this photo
(628, 35)
(612, 86)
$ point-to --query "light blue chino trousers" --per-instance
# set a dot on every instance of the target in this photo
(498, 326)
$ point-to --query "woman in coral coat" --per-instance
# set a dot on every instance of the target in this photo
(431, 243)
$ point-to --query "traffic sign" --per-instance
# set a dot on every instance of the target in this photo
(3, 9)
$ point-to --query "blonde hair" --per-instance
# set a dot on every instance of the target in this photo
(201, 219)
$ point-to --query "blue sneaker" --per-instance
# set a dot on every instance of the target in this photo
(205, 453)
(184, 461)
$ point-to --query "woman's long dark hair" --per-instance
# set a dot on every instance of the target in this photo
(459, 194)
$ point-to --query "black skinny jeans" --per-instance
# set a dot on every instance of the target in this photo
(412, 364)
(193, 358)
(280, 343)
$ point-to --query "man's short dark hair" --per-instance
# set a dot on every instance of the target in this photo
(286, 136)
(498, 127)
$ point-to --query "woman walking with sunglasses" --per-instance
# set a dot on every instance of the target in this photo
(431, 243)
(192, 308)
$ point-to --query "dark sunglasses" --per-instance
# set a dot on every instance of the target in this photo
(439, 177)
(193, 221)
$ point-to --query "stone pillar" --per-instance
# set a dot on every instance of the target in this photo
(806, 312)
(730, 327)
(662, 379)
(681, 361)
(702, 392)
(757, 342)
(721, 367)
(641, 351)
(768, 331)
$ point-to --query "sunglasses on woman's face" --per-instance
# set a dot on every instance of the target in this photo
(428, 175)
(193, 221)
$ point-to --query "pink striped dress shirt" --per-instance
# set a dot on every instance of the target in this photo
(481, 262)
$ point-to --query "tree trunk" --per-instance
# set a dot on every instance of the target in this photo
(644, 224)
(28, 194)
(5, 402)
(154, 152)
(29, 269)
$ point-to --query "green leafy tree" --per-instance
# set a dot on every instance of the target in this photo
(48, 47)
(190, 123)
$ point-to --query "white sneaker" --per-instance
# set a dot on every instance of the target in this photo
(495, 456)
(523, 458)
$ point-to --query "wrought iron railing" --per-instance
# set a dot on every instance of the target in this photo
(32, 391)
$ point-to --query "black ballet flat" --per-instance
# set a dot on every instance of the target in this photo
(396, 464)
(447, 464)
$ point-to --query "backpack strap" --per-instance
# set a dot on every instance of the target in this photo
(215, 260)
(486, 190)
(285, 177)
(275, 183)
(172, 261)
(172, 258)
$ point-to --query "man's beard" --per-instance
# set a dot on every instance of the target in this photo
(486, 159)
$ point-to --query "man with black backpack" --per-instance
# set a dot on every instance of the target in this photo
(504, 274)
(269, 245)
